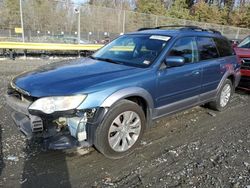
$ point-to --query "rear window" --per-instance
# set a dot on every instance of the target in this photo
(223, 47)
(207, 48)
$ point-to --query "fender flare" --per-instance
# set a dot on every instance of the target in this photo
(225, 76)
(132, 92)
(128, 92)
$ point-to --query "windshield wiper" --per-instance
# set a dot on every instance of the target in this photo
(106, 59)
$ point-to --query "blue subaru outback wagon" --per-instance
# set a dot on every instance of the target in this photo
(108, 99)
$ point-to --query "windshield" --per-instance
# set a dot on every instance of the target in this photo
(135, 50)
(245, 43)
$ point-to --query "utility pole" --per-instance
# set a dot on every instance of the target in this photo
(21, 16)
(78, 12)
(79, 25)
(124, 21)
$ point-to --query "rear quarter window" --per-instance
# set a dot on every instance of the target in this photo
(207, 48)
(223, 47)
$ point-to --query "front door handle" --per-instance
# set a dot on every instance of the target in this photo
(196, 72)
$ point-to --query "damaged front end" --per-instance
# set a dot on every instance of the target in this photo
(58, 129)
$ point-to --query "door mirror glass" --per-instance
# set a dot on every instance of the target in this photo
(174, 61)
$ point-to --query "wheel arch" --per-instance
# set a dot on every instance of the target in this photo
(231, 77)
(228, 75)
(135, 94)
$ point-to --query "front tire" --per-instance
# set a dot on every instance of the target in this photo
(224, 96)
(121, 130)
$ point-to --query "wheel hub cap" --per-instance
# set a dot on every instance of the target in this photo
(124, 131)
(225, 95)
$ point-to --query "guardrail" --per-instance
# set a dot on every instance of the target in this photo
(49, 46)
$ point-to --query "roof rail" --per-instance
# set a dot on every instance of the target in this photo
(213, 30)
(145, 28)
(182, 27)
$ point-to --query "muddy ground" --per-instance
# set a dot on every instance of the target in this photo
(195, 148)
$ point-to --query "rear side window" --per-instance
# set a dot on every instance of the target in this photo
(207, 48)
(223, 47)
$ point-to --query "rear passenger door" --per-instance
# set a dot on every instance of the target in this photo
(210, 62)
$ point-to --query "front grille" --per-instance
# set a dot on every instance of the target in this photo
(245, 63)
(36, 123)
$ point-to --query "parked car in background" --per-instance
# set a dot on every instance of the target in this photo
(243, 51)
(108, 99)
(74, 40)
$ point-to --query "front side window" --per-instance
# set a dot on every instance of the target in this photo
(207, 48)
(134, 50)
(245, 43)
(186, 48)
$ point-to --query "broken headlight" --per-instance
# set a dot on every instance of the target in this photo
(49, 105)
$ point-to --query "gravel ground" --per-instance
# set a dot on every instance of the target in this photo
(194, 148)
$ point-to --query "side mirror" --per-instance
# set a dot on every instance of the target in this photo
(174, 61)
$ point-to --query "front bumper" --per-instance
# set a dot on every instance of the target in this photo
(20, 115)
(41, 126)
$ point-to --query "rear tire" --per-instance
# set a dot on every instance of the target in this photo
(224, 96)
(121, 130)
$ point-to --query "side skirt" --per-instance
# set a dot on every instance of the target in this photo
(182, 105)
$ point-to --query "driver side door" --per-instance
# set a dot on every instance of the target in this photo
(179, 87)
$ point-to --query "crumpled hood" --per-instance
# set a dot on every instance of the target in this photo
(72, 77)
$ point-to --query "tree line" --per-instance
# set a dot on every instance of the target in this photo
(225, 12)
(59, 16)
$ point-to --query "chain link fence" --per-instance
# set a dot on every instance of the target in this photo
(62, 22)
